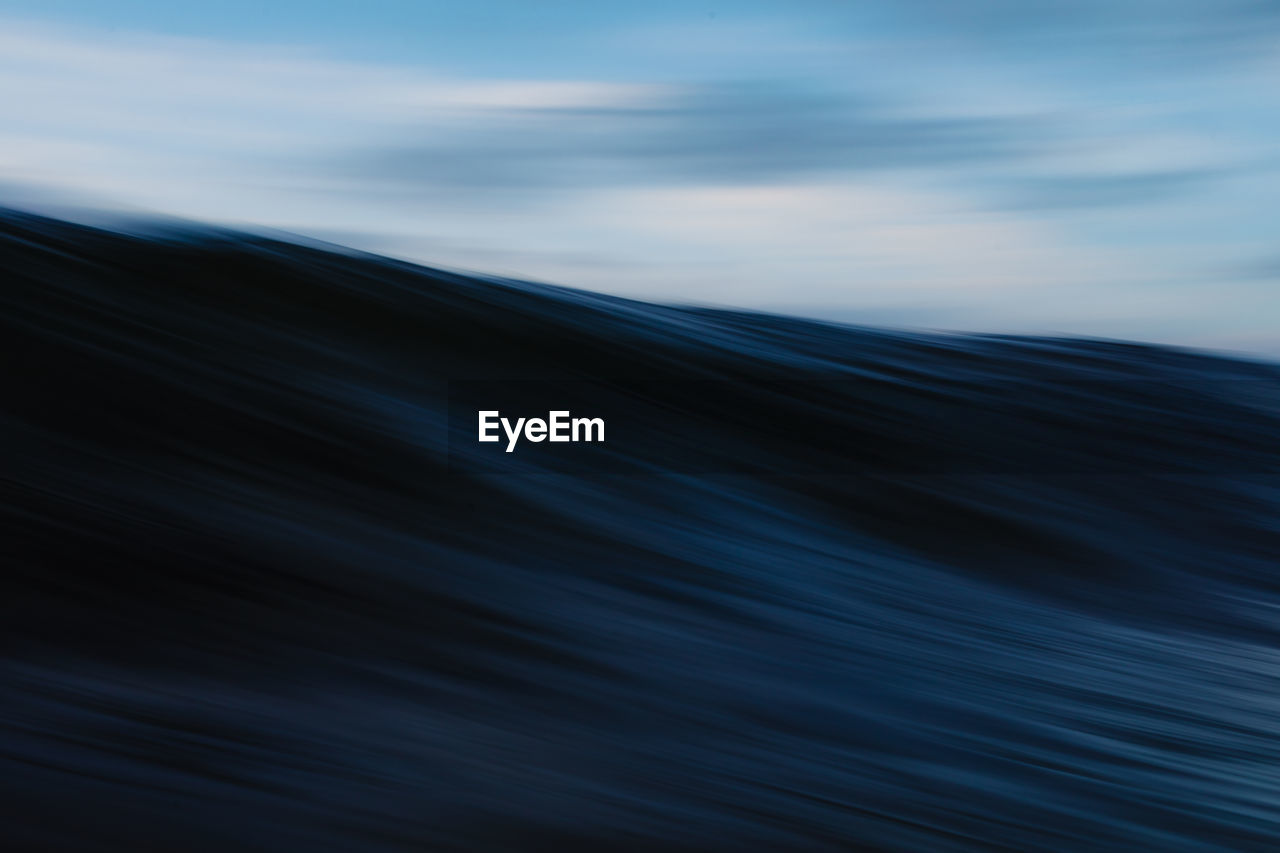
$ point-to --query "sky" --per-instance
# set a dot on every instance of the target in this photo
(1086, 168)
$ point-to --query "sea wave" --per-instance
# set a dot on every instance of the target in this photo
(822, 587)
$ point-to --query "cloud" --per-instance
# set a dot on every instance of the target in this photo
(1046, 192)
(726, 133)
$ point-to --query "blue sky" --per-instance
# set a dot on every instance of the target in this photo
(1084, 168)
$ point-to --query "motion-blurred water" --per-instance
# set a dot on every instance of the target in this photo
(864, 589)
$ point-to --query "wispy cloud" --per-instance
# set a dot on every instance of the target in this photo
(745, 132)
(1089, 190)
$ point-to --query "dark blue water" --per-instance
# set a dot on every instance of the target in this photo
(822, 588)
